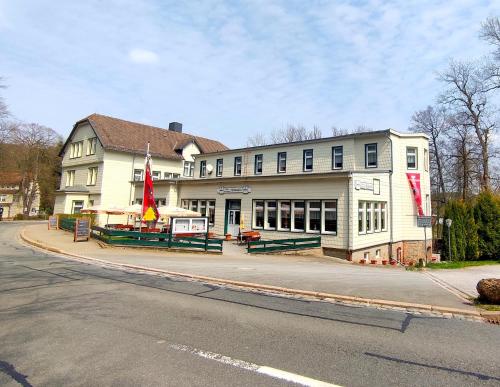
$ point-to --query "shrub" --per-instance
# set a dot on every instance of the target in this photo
(29, 217)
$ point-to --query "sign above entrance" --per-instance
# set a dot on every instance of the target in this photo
(245, 189)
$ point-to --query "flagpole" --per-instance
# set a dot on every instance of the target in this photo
(144, 187)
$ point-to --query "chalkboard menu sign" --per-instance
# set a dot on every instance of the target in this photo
(197, 225)
(53, 222)
(82, 229)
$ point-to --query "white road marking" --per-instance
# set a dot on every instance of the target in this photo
(269, 371)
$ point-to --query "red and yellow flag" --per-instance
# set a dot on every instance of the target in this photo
(149, 209)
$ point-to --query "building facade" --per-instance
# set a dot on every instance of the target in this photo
(351, 190)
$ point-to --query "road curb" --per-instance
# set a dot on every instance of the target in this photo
(399, 305)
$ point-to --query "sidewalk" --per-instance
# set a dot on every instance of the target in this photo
(296, 272)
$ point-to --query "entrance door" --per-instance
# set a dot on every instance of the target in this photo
(233, 212)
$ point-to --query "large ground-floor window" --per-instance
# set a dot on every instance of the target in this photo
(206, 207)
(372, 217)
(311, 216)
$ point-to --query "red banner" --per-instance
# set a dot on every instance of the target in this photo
(149, 210)
(414, 180)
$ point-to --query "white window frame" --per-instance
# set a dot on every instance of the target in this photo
(254, 215)
(369, 217)
(202, 204)
(376, 216)
(203, 168)
(292, 225)
(308, 216)
(383, 216)
(411, 151)
(258, 160)
(211, 206)
(368, 152)
(185, 204)
(140, 175)
(219, 167)
(73, 205)
(305, 158)
(91, 146)
(361, 211)
(377, 254)
(92, 176)
(266, 214)
(335, 153)
(281, 158)
(238, 163)
(156, 175)
(188, 168)
(70, 178)
(324, 210)
(280, 228)
(426, 160)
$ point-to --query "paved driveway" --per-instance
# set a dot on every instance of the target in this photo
(467, 279)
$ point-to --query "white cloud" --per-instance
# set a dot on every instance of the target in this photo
(140, 55)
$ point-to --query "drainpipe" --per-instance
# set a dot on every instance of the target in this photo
(391, 240)
(132, 184)
(350, 210)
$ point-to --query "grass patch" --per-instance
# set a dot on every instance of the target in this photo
(489, 307)
(460, 264)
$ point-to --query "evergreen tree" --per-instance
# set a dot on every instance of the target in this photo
(487, 217)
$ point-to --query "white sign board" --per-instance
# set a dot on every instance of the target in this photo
(363, 185)
(189, 225)
(228, 190)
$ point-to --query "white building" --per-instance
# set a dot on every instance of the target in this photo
(351, 190)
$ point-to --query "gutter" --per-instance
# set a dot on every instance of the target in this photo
(391, 238)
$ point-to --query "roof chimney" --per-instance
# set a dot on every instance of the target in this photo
(175, 127)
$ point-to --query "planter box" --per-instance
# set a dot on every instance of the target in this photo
(384, 262)
(373, 261)
(228, 237)
(362, 261)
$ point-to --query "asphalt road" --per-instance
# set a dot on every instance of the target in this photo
(68, 323)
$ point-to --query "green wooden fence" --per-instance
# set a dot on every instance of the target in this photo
(264, 246)
(154, 239)
(67, 224)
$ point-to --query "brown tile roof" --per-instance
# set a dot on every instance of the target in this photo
(126, 136)
(10, 178)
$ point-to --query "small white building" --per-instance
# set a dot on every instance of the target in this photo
(351, 190)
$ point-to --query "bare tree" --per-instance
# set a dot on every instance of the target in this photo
(435, 122)
(4, 111)
(34, 155)
(490, 31)
(467, 95)
(258, 139)
(294, 133)
(336, 131)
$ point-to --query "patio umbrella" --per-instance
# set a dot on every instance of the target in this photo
(170, 211)
(100, 209)
(135, 210)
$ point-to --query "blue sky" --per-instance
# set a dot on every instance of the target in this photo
(230, 69)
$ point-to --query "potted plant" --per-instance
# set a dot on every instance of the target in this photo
(362, 261)
(373, 261)
(393, 262)
(228, 237)
(384, 262)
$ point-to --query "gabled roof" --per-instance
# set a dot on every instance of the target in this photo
(10, 178)
(126, 136)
